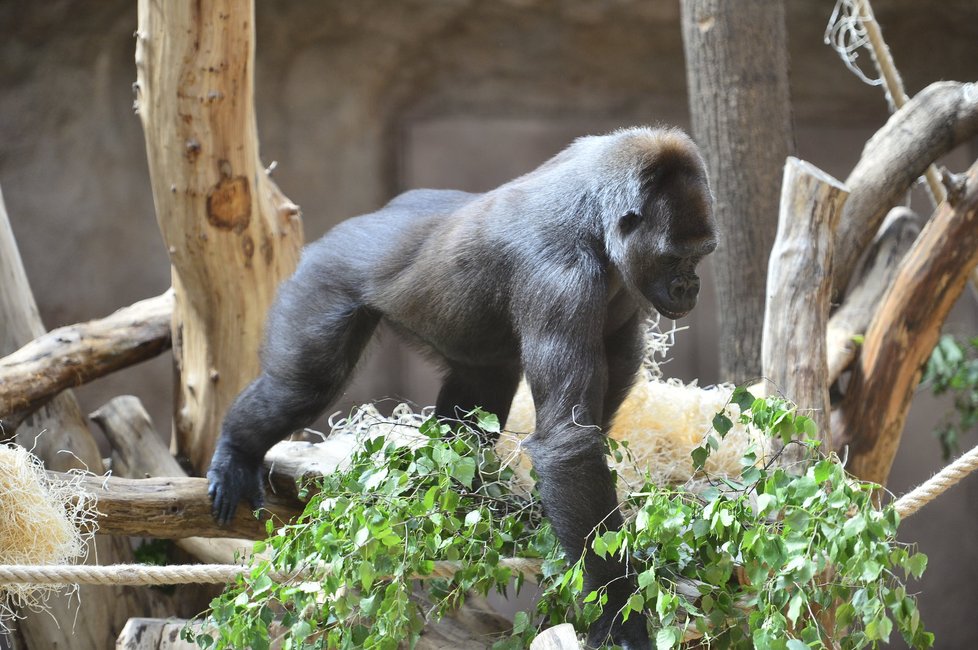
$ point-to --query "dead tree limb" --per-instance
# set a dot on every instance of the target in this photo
(799, 283)
(76, 354)
(903, 332)
(139, 452)
(850, 320)
(57, 433)
(172, 508)
(935, 121)
(232, 236)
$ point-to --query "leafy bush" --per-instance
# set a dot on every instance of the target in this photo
(767, 559)
(953, 369)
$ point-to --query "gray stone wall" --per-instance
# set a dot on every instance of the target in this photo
(360, 100)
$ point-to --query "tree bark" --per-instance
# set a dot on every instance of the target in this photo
(76, 354)
(851, 319)
(232, 235)
(799, 282)
(172, 508)
(57, 434)
(138, 452)
(939, 118)
(737, 73)
(903, 333)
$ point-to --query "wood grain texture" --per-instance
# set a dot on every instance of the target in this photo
(935, 121)
(76, 354)
(799, 282)
(232, 236)
(737, 75)
(903, 332)
(901, 228)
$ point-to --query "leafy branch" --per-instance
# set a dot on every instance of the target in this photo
(757, 560)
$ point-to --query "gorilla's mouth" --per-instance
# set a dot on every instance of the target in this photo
(673, 315)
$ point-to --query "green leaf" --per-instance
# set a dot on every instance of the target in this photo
(667, 638)
(742, 398)
(795, 644)
(764, 501)
(600, 548)
(521, 621)
(722, 424)
(488, 422)
(823, 470)
(917, 564)
(700, 454)
(463, 471)
(474, 517)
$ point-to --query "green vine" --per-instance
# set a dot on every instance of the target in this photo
(767, 559)
(953, 369)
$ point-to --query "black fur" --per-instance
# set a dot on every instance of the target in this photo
(550, 275)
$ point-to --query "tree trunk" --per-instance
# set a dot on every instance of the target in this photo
(232, 235)
(903, 333)
(737, 73)
(58, 435)
(799, 283)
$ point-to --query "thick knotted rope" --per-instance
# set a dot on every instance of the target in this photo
(937, 485)
(143, 574)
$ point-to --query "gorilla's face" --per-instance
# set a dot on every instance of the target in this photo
(666, 240)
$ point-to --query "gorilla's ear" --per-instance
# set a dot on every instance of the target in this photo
(629, 222)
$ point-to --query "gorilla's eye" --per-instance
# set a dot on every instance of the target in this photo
(629, 222)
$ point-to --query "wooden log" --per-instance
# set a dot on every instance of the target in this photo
(901, 228)
(138, 451)
(232, 236)
(153, 634)
(799, 282)
(76, 354)
(558, 637)
(173, 508)
(903, 333)
(936, 120)
(160, 503)
(91, 618)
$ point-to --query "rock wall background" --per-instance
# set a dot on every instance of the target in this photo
(358, 101)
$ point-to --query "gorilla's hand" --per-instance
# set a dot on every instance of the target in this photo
(609, 629)
(231, 480)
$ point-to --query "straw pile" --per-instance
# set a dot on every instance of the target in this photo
(41, 522)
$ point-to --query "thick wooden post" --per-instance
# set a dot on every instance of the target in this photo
(232, 235)
(799, 282)
(737, 73)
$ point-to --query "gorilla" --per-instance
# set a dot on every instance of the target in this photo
(551, 275)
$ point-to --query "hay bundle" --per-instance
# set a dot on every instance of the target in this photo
(663, 421)
(41, 522)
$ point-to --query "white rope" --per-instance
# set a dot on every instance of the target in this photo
(143, 574)
(937, 485)
(852, 27)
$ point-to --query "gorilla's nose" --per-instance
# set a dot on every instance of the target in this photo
(684, 288)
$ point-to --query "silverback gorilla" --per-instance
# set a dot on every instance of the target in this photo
(550, 275)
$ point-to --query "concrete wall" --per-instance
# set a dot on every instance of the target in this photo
(360, 100)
